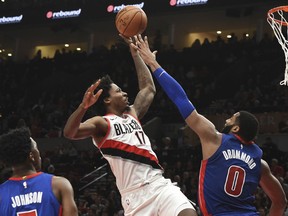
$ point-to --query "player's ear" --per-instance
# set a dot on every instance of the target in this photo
(107, 100)
(31, 156)
(235, 128)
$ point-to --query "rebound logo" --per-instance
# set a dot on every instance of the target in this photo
(11, 19)
(116, 9)
(179, 3)
(63, 14)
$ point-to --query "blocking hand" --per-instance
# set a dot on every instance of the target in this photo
(143, 48)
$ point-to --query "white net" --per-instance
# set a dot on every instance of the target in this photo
(276, 19)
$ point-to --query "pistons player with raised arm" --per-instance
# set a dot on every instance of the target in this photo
(232, 168)
(119, 136)
(30, 192)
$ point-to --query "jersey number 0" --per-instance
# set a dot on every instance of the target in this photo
(234, 181)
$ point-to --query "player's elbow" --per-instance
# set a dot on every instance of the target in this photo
(152, 90)
(72, 211)
(68, 134)
(284, 203)
(150, 94)
(280, 203)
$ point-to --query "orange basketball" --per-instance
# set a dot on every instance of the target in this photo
(131, 20)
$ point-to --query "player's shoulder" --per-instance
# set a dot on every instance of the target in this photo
(131, 111)
(59, 181)
(3, 185)
(265, 169)
(96, 120)
(228, 138)
(59, 178)
(265, 165)
(257, 148)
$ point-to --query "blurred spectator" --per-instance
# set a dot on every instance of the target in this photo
(72, 153)
(167, 143)
(51, 169)
(21, 123)
(262, 211)
(284, 185)
(283, 126)
(87, 196)
(270, 149)
(82, 207)
(277, 169)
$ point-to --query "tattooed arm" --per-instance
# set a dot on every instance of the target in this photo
(147, 88)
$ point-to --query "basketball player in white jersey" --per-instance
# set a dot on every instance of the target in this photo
(120, 138)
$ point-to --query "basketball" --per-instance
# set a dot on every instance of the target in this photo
(131, 20)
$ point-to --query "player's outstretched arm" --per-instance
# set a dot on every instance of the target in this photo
(202, 126)
(172, 88)
(146, 85)
(273, 189)
(63, 190)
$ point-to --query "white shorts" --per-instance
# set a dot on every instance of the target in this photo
(158, 198)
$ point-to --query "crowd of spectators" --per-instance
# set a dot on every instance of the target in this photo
(219, 77)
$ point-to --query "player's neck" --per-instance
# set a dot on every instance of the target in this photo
(242, 140)
(23, 170)
(116, 112)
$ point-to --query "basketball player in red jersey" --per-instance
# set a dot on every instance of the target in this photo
(232, 168)
(29, 191)
(120, 138)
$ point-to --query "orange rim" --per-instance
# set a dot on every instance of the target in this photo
(276, 9)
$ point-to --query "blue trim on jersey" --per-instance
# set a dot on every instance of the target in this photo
(231, 178)
(30, 194)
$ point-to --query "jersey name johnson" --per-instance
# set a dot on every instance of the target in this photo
(26, 199)
(31, 195)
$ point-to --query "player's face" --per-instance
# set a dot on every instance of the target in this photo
(118, 98)
(230, 123)
(36, 156)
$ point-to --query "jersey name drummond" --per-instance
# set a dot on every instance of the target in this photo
(26, 199)
(237, 154)
(126, 128)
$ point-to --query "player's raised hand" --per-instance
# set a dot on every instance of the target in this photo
(90, 97)
(144, 50)
(130, 42)
(127, 40)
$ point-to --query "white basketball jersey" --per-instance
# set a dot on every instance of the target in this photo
(128, 151)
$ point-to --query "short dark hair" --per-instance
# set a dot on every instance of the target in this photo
(15, 146)
(105, 85)
(249, 126)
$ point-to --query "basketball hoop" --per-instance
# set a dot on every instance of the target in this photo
(276, 19)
